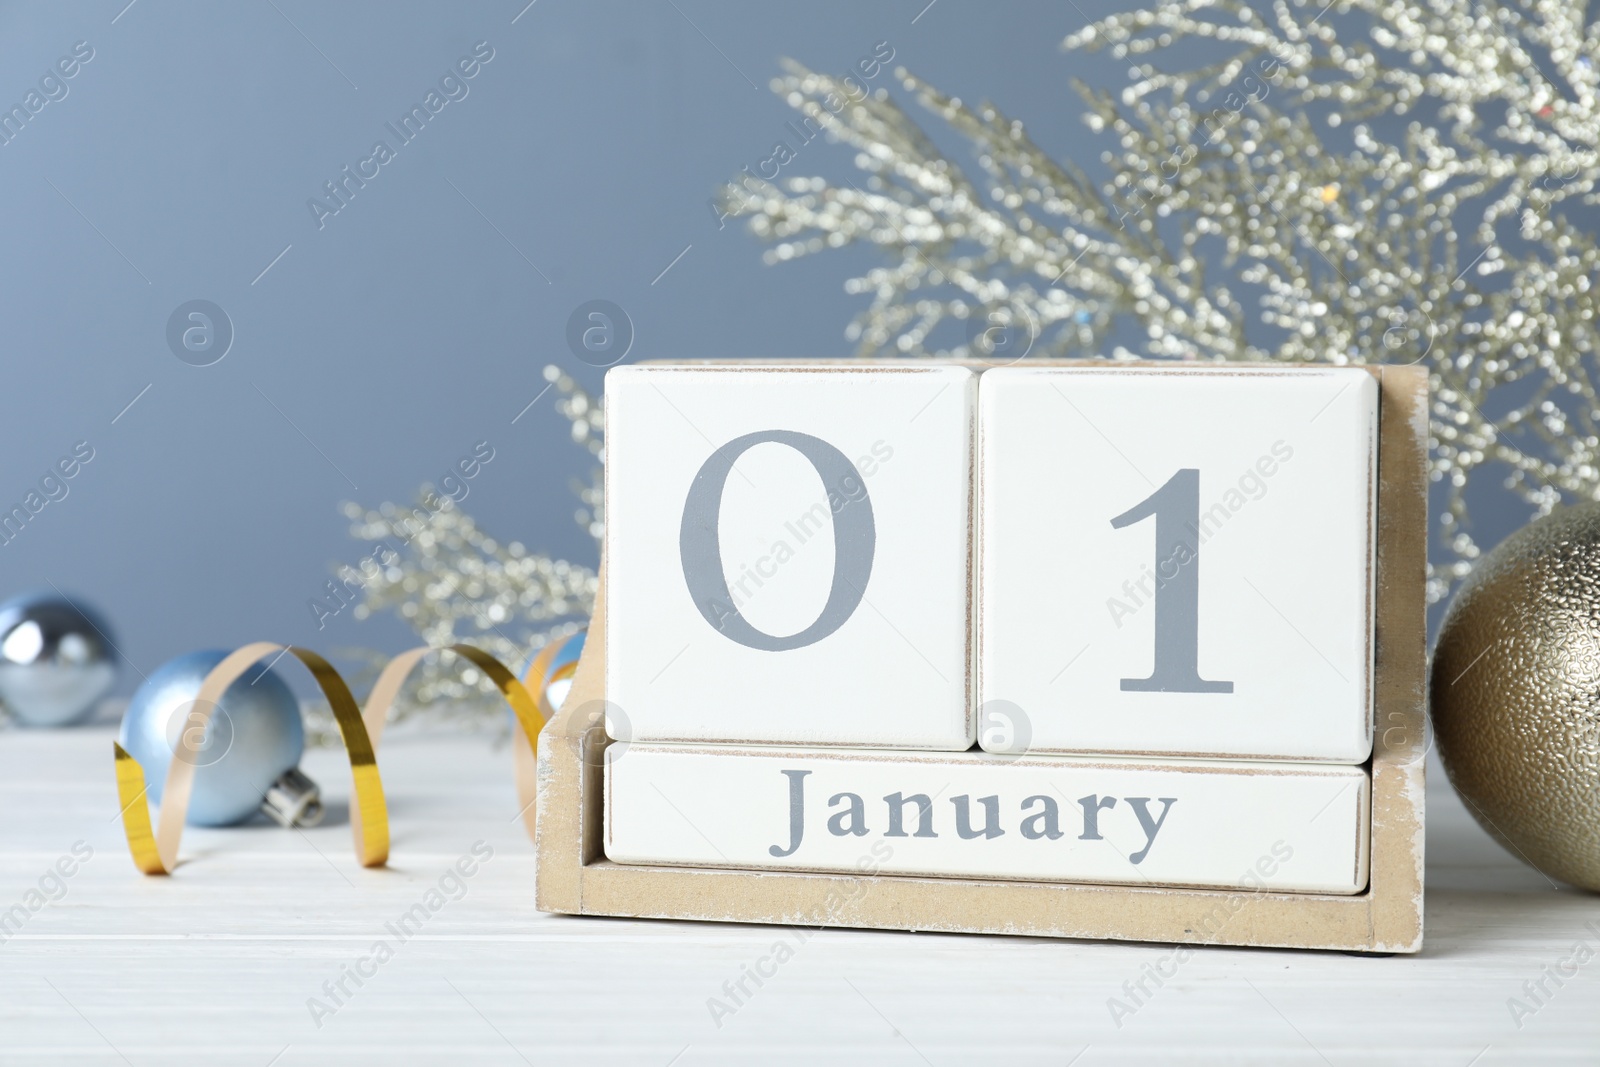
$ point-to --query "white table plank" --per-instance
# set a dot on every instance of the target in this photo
(215, 965)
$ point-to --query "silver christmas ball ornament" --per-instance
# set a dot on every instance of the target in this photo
(56, 660)
(248, 755)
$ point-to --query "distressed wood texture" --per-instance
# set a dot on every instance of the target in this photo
(575, 878)
(215, 965)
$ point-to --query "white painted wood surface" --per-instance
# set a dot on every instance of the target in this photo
(215, 965)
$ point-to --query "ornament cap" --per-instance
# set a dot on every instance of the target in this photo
(293, 800)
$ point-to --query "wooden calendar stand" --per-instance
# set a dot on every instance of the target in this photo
(574, 876)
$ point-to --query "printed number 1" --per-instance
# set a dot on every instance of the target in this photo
(1176, 507)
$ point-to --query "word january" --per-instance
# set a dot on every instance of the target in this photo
(1039, 817)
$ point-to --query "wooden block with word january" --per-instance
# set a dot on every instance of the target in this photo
(1178, 561)
(1255, 826)
(788, 553)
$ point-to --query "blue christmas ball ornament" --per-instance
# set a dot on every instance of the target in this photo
(563, 665)
(555, 664)
(249, 753)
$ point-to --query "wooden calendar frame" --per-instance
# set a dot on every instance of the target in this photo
(574, 876)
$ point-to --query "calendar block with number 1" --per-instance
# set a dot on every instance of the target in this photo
(1180, 562)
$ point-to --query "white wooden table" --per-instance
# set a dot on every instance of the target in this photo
(216, 965)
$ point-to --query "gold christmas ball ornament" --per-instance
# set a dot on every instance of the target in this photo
(1516, 694)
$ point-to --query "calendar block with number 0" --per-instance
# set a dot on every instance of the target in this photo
(1082, 649)
(806, 526)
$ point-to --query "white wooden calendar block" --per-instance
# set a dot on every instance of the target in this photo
(788, 548)
(1277, 827)
(1178, 561)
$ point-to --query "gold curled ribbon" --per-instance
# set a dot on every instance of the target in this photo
(157, 852)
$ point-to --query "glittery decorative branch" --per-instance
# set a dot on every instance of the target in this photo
(449, 581)
(1377, 182)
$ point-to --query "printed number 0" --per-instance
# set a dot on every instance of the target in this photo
(1174, 505)
(700, 542)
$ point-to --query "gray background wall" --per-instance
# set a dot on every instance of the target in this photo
(416, 321)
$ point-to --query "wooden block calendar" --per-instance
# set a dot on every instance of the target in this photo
(1064, 648)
